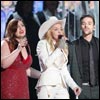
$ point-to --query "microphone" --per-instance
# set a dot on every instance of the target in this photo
(60, 36)
(67, 41)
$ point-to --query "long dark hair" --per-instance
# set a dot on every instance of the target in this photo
(10, 33)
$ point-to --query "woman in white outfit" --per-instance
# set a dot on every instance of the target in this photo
(53, 57)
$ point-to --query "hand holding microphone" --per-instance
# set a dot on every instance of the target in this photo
(62, 42)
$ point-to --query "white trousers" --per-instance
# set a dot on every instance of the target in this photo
(53, 92)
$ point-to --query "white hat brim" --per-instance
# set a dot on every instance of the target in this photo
(48, 24)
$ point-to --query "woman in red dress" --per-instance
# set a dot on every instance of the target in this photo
(15, 62)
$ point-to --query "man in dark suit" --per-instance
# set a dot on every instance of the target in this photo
(83, 63)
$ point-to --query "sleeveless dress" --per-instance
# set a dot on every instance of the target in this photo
(14, 80)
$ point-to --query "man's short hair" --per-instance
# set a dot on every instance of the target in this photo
(90, 16)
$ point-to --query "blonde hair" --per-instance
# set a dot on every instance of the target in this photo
(48, 37)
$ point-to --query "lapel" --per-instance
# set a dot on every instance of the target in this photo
(97, 42)
(78, 55)
(48, 49)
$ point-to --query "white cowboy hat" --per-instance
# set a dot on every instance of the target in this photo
(47, 24)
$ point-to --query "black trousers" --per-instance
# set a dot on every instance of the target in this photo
(89, 92)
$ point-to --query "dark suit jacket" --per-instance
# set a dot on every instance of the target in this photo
(75, 60)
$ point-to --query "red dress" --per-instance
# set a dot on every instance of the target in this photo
(14, 80)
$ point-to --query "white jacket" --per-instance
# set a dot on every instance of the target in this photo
(54, 66)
